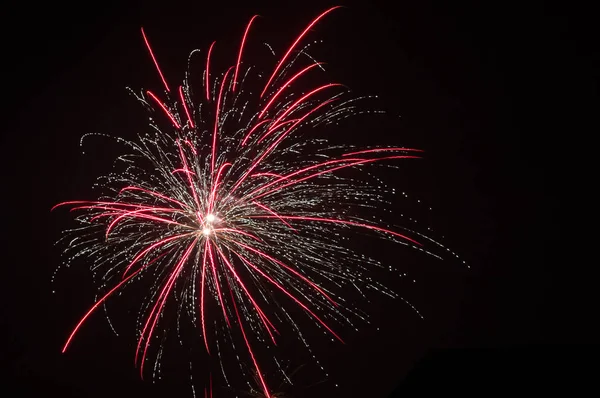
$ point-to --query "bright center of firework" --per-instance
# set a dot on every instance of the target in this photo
(209, 220)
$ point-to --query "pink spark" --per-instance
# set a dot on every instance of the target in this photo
(202, 295)
(274, 145)
(214, 143)
(189, 177)
(275, 214)
(153, 193)
(281, 62)
(275, 128)
(237, 231)
(164, 108)
(264, 385)
(216, 184)
(382, 150)
(154, 59)
(237, 65)
(343, 222)
(257, 125)
(184, 171)
(285, 85)
(356, 162)
(293, 107)
(153, 246)
(183, 102)
(293, 271)
(158, 306)
(284, 290)
(217, 284)
(268, 324)
(89, 312)
(207, 73)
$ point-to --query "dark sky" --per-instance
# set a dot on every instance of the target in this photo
(485, 90)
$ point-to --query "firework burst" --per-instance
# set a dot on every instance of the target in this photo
(225, 205)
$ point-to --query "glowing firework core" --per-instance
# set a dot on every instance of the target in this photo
(207, 227)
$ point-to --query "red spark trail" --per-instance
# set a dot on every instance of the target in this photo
(274, 145)
(275, 214)
(268, 324)
(305, 169)
(267, 174)
(189, 177)
(183, 171)
(183, 102)
(356, 162)
(76, 202)
(284, 290)
(264, 385)
(292, 107)
(207, 71)
(188, 143)
(217, 284)
(281, 62)
(237, 65)
(101, 205)
(160, 304)
(257, 125)
(145, 216)
(149, 248)
(158, 195)
(95, 306)
(215, 187)
(285, 85)
(238, 231)
(87, 314)
(202, 284)
(214, 143)
(164, 108)
(275, 128)
(296, 273)
(336, 221)
(154, 59)
(383, 150)
(136, 213)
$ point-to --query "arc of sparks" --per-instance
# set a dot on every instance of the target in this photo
(164, 108)
(185, 107)
(216, 128)
(237, 65)
(207, 71)
(354, 162)
(262, 380)
(286, 85)
(374, 150)
(213, 265)
(344, 222)
(283, 59)
(103, 299)
(275, 143)
(160, 302)
(266, 322)
(154, 60)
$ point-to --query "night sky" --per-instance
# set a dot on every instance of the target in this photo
(483, 90)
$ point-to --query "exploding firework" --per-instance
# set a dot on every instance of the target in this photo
(234, 216)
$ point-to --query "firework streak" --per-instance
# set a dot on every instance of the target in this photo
(227, 206)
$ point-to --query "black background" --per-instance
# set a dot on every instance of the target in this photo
(495, 94)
